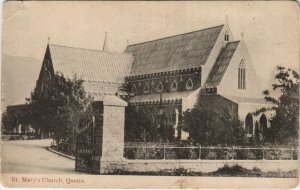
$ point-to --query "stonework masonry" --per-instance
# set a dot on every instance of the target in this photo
(113, 134)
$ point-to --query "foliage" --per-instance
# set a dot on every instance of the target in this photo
(11, 119)
(138, 127)
(236, 170)
(85, 133)
(285, 124)
(210, 128)
(57, 108)
(8, 121)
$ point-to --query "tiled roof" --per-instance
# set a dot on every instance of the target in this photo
(103, 72)
(172, 96)
(91, 65)
(178, 52)
(217, 72)
(103, 88)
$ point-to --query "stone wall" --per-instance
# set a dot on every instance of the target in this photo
(208, 165)
(113, 134)
(113, 131)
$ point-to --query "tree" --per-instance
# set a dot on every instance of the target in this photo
(9, 120)
(285, 124)
(13, 118)
(210, 128)
(138, 126)
(58, 108)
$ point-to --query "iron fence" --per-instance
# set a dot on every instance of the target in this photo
(210, 153)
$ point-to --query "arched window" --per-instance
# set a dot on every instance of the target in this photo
(160, 87)
(133, 89)
(189, 84)
(249, 124)
(242, 75)
(226, 37)
(263, 122)
(146, 88)
(174, 86)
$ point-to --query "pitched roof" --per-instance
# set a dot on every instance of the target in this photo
(156, 97)
(218, 70)
(91, 65)
(178, 52)
(103, 72)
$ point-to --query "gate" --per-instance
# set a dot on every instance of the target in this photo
(88, 144)
(84, 149)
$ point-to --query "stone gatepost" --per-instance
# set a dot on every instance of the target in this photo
(113, 134)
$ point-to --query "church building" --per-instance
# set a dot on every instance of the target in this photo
(165, 77)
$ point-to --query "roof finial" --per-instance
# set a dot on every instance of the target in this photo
(242, 35)
(104, 43)
(48, 39)
(226, 17)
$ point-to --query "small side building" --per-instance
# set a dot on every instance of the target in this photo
(18, 123)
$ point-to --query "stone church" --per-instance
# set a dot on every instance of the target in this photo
(165, 77)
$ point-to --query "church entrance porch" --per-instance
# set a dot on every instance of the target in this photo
(257, 128)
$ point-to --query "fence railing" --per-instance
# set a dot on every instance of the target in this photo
(210, 153)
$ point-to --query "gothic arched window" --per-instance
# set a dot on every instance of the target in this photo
(242, 75)
(189, 84)
(174, 86)
(249, 124)
(146, 88)
(160, 87)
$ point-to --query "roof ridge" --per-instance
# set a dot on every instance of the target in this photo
(89, 49)
(176, 35)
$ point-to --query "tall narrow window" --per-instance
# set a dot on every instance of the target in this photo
(226, 37)
(242, 75)
(146, 88)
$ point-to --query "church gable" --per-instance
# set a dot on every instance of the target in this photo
(240, 78)
(46, 73)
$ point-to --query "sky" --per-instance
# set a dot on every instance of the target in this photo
(270, 28)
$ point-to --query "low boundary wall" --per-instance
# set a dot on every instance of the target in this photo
(207, 165)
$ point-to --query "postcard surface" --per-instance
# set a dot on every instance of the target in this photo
(150, 94)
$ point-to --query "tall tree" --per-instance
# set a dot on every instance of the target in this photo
(210, 128)
(285, 124)
(57, 109)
